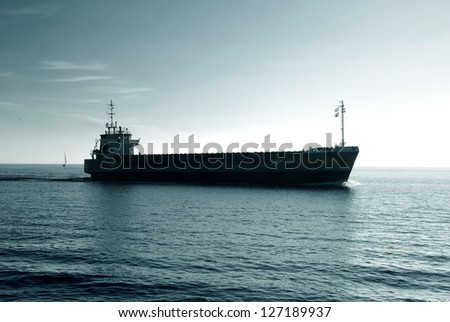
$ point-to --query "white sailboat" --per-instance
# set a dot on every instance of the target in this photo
(65, 159)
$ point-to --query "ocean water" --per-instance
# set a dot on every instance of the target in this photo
(384, 236)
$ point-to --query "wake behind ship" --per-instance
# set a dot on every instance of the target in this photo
(114, 159)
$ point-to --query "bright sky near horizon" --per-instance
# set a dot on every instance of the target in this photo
(226, 71)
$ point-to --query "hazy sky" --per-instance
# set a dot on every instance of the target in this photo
(226, 71)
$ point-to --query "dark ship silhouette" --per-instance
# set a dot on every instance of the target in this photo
(114, 159)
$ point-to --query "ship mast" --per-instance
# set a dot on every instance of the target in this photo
(342, 110)
(111, 114)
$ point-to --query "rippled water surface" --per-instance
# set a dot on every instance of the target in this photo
(384, 236)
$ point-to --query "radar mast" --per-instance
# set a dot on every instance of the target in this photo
(340, 108)
(111, 114)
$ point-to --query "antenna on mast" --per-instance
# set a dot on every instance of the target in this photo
(111, 112)
(342, 110)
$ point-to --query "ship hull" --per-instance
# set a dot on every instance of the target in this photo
(266, 168)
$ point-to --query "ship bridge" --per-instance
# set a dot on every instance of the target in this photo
(116, 141)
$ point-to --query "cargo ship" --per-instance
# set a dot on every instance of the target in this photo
(114, 158)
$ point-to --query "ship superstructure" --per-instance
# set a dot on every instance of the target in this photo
(115, 141)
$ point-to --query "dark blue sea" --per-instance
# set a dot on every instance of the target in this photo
(384, 236)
